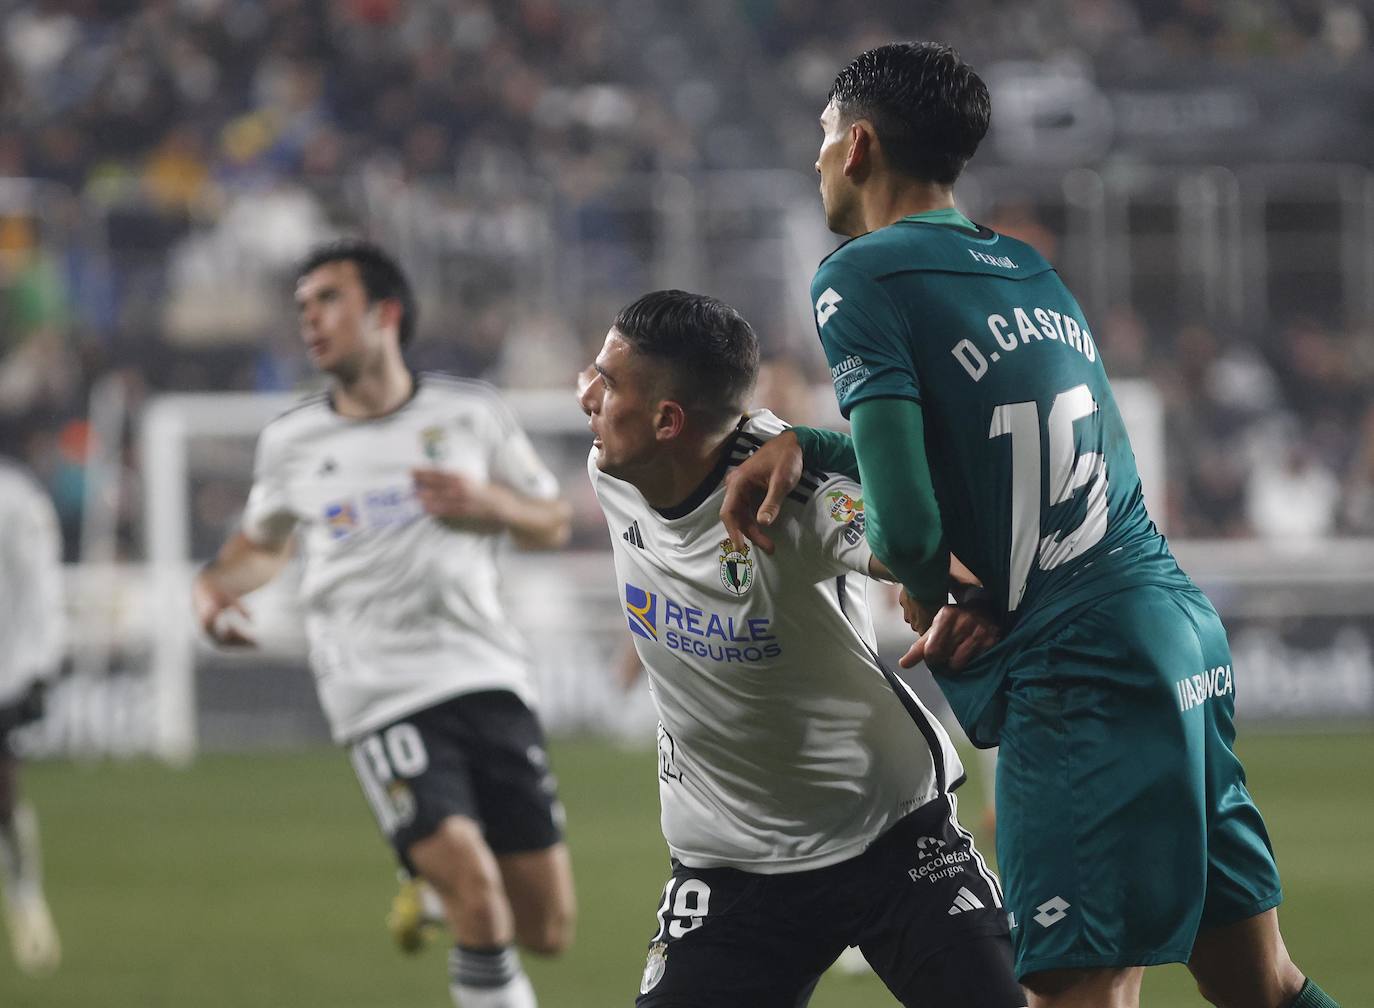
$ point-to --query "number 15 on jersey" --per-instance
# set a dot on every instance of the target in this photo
(1034, 539)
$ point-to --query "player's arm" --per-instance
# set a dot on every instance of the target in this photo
(473, 506)
(254, 554)
(520, 496)
(242, 565)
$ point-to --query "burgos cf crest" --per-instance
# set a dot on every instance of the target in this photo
(641, 609)
(434, 441)
(736, 568)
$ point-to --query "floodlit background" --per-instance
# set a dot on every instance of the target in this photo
(1200, 170)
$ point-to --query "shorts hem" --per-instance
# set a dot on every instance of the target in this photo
(1253, 910)
(1101, 960)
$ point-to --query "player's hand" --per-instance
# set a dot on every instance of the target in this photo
(918, 615)
(957, 635)
(459, 501)
(756, 488)
(220, 615)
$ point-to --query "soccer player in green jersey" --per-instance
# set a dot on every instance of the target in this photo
(983, 424)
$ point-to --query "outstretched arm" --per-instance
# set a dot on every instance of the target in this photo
(241, 566)
(466, 504)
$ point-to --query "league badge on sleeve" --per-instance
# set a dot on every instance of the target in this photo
(736, 567)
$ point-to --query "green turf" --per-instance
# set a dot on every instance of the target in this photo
(259, 880)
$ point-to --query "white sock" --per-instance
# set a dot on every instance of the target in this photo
(20, 859)
(488, 978)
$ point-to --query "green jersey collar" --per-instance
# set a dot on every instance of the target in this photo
(950, 215)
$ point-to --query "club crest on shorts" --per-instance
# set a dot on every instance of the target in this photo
(654, 966)
(434, 441)
(736, 567)
(402, 801)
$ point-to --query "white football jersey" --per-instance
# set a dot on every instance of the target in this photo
(33, 619)
(782, 747)
(401, 610)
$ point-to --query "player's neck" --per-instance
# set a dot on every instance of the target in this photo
(377, 388)
(891, 199)
(685, 468)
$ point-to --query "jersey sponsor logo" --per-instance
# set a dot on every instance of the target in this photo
(434, 443)
(1051, 912)
(632, 535)
(341, 518)
(965, 901)
(1198, 689)
(1003, 262)
(654, 967)
(642, 609)
(715, 636)
(375, 509)
(848, 374)
(736, 568)
(827, 305)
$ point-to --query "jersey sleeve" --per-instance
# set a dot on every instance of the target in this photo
(831, 533)
(267, 517)
(512, 460)
(865, 339)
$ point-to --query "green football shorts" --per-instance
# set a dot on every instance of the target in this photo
(1123, 823)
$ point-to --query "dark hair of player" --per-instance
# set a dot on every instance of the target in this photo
(381, 276)
(927, 106)
(710, 349)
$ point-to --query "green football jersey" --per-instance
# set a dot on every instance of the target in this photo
(1032, 469)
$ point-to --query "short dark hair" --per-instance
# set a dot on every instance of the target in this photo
(710, 349)
(381, 276)
(928, 107)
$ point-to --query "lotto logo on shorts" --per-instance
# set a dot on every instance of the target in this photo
(1051, 912)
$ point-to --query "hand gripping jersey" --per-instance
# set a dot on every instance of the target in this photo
(33, 617)
(781, 745)
(1031, 465)
(401, 609)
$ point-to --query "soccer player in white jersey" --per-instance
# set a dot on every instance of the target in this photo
(398, 488)
(803, 809)
(32, 642)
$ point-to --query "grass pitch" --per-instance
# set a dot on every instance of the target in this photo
(260, 880)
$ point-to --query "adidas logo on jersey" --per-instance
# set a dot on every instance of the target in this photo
(631, 535)
(964, 902)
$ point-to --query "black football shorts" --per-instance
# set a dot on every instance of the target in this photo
(920, 903)
(480, 755)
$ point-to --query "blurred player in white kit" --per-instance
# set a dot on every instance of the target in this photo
(398, 489)
(32, 642)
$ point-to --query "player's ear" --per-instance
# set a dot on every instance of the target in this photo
(862, 140)
(389, 312)
(671, 420)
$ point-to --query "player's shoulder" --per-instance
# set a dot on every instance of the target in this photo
(453, 387)
(310, 408)
(466, 396)
(913, 246)
(760, 427)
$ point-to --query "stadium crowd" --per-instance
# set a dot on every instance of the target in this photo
(181, 154)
